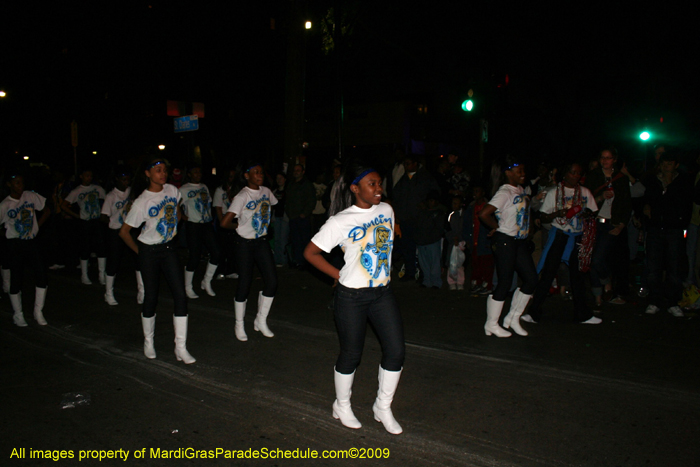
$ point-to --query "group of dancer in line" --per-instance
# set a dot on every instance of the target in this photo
(361, 224)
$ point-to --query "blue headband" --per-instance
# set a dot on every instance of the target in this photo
(254, 165)
(362, 175)
(154, 164)
(512, 166)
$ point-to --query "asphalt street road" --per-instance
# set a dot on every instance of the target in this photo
(623, 393)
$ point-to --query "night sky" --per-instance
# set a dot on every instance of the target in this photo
(579, 78)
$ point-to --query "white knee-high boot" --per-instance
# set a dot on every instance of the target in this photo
(181, 353)
(388, 382)
(260, 323)
(188, 284)
(109, 291)
(239, 308)
(141, 292)
(101, 268)
(84, 272)
(208, 276)
(39, 300)
(5, 273)
(517, 306)
(18, 316)
(493, 312)
(342, 409)
(149, 329)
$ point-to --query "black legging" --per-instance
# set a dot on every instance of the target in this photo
(19, 254)
(512, 255)
(154, 259)
(353, 309)
(250, 253)
(197, 235)
(91, 238)
(116, 249)
(227, 240)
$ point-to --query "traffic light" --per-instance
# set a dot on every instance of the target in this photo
(644, 136)
(468, 105)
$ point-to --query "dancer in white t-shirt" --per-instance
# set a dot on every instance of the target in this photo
(363, 227)
(508, 217)
(196, 206)
(156, 206)
(251, 208)
(114, 210)
(18, 213)
(89, 198)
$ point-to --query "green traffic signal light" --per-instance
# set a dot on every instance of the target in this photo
(467, 105)
(644, 135)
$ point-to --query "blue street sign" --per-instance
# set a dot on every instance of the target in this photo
(187, 123)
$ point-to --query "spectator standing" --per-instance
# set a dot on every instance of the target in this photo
(667, 208)
(429, 234)
(411, 189)
(611, 190)
(300, 203)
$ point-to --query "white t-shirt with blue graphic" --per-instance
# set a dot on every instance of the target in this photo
(221, 199)
(196, 202)
(252, 209)
(116, 206)
(512, 211)
(575, 224)
(19, 215)
(159, 212)
(366, 237)
(88, 200)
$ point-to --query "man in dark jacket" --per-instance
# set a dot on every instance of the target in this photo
(611, 190)
(300, 202)
(667, 207)
(411, 190)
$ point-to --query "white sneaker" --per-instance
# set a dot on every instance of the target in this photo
(592, 320)
(676, 311)
(232, 276)
(460, 287)
(453, 287)
(652, 310)
(528, 319)
(220, 277)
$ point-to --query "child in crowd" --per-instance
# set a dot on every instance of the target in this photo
(479, 244)
(455, 237)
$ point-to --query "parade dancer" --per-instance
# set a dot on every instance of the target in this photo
(156, 203)
(18, 213)
(251, 207)
(196, 206)
(115, 208)
(88, 197)
(363, 227)
(222, 200)
(507, 214)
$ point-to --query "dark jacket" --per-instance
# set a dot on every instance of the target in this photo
(431, 225)
(621, 208)
(301, 198)
(670, 209)
(408, 193)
